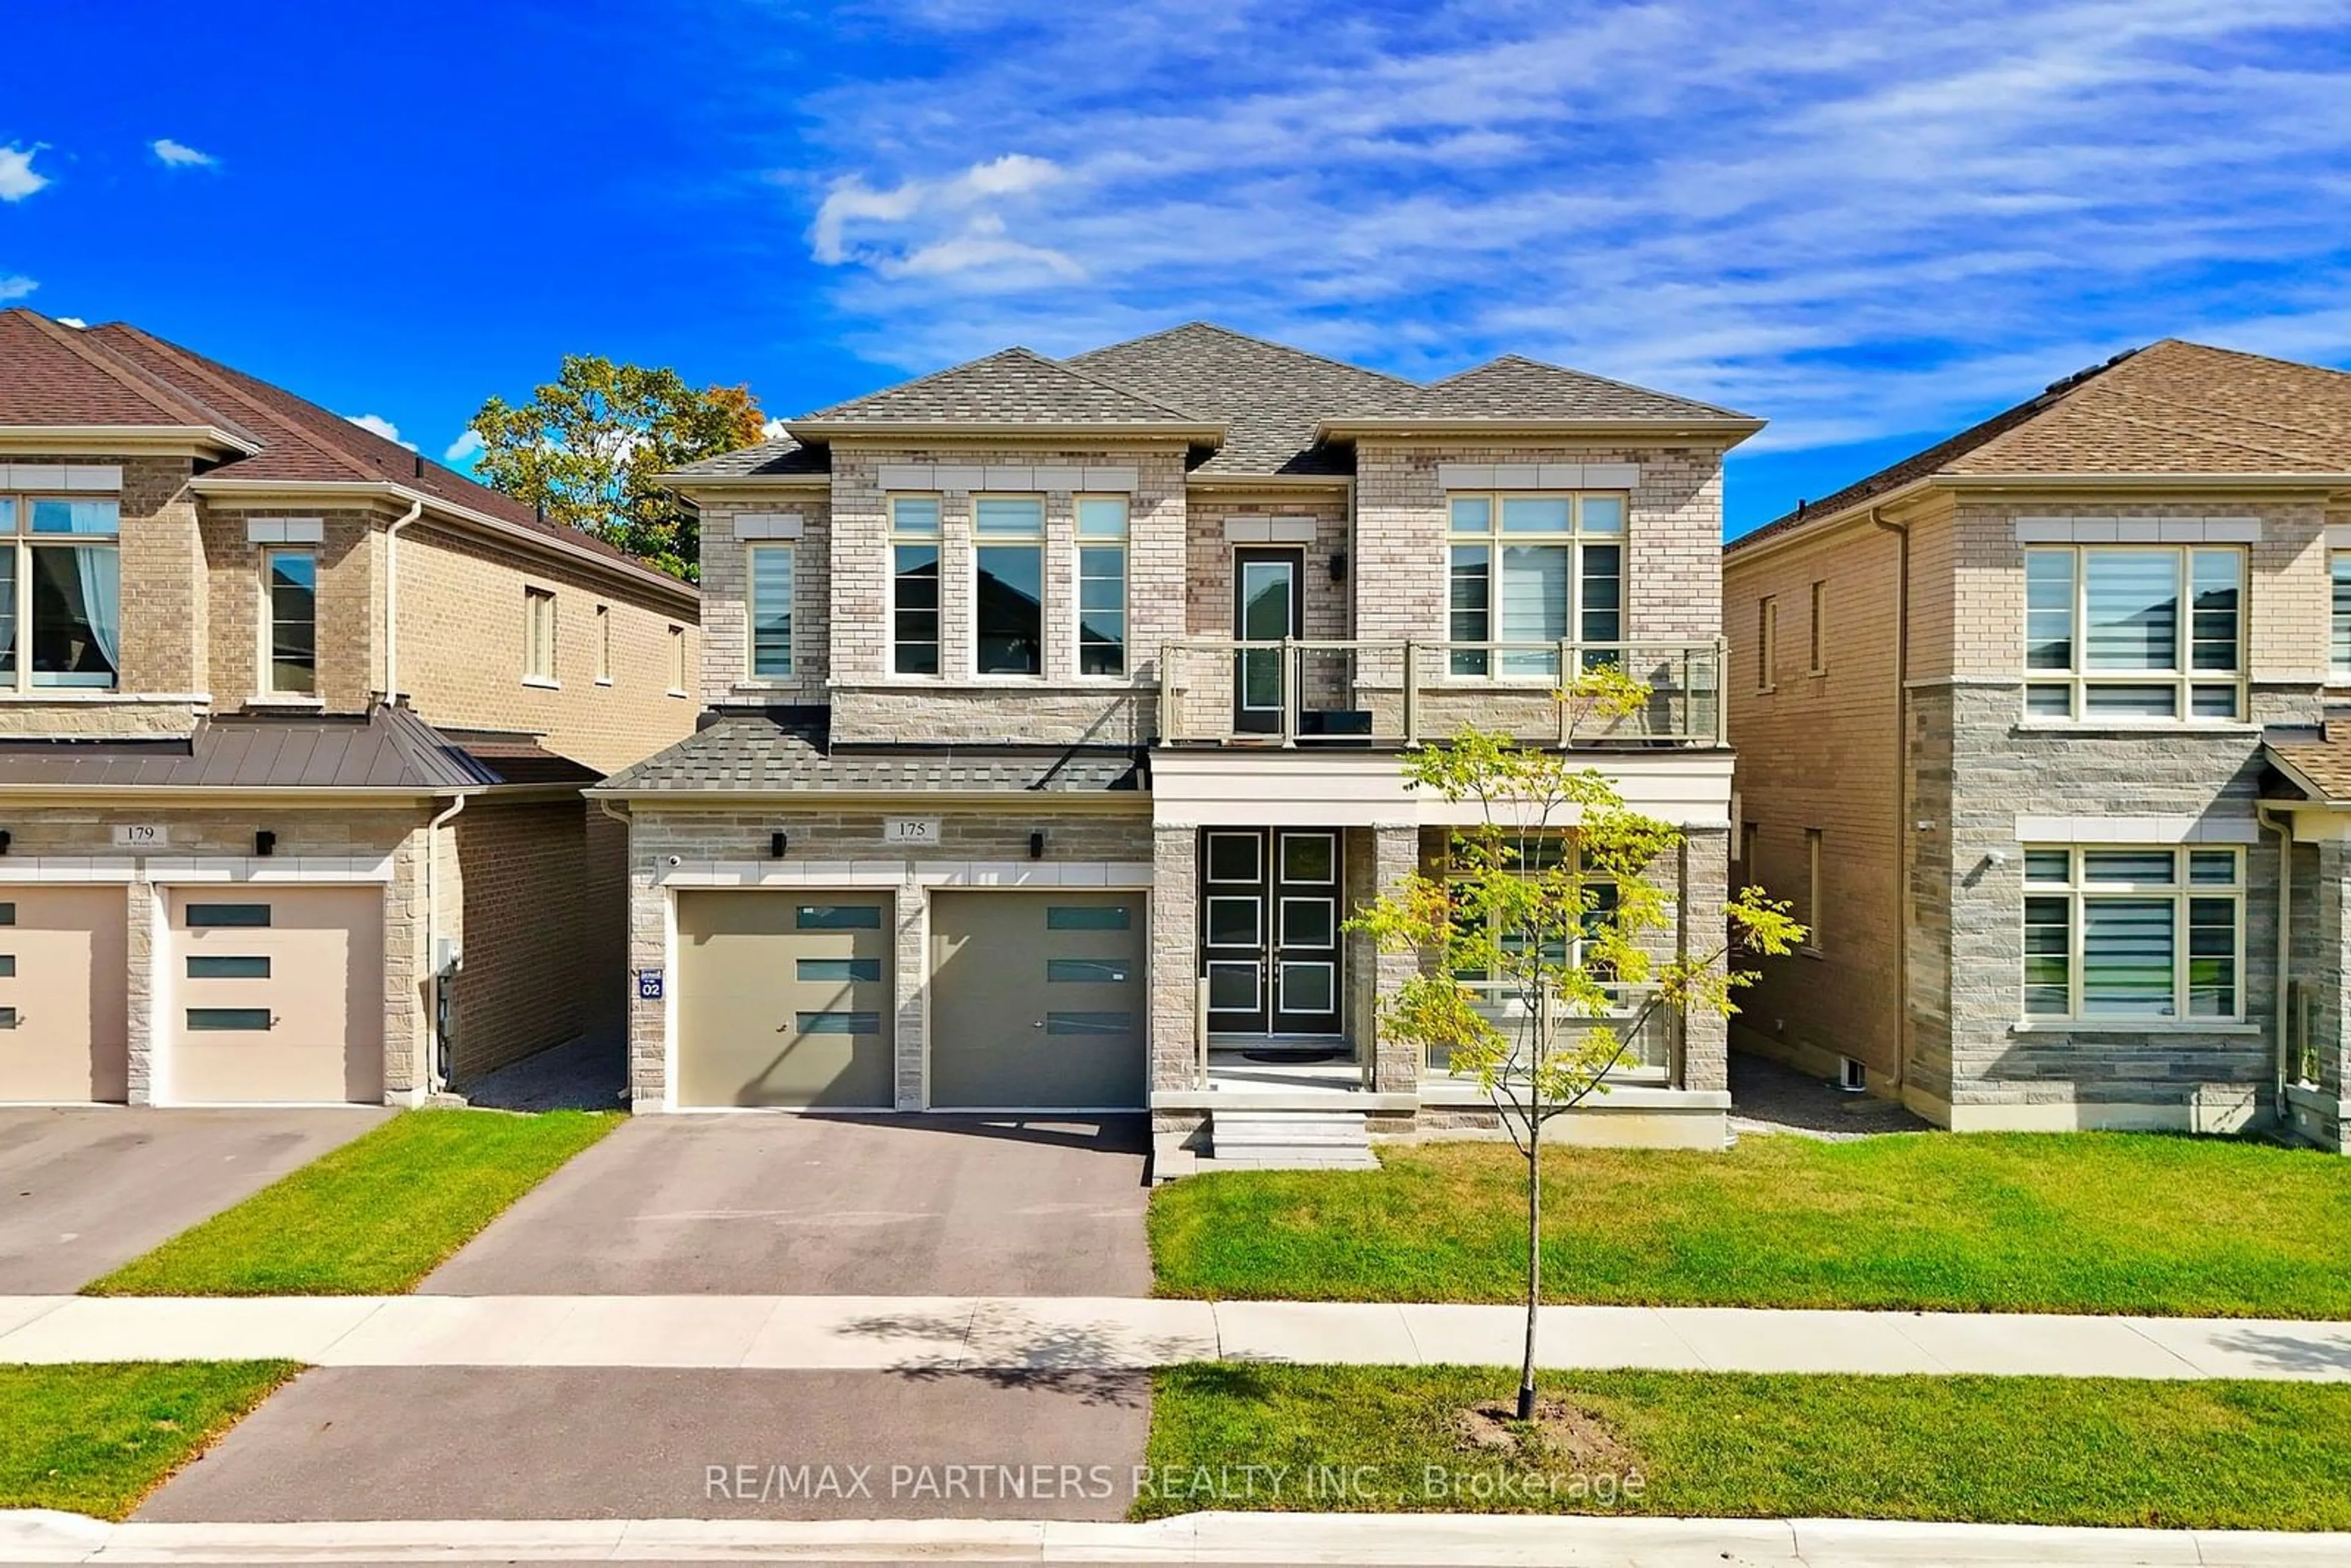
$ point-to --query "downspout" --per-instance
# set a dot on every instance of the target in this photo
(436, 1064)
(392, 600)
(1901, 800)
(2282, 825)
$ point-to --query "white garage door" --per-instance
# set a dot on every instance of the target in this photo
(275, 996)
(65, 1031)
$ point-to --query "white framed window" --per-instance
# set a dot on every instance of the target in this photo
(289, 622)
(1820, 648)
(538, 635)
(2154, 933)
(678, 670)
(1767, 643)
(1539, 852)
(1529, 572)
(2339, 642)
(915, 585)
(603, 644)
(60, 593)
(1102, 529)
(1008, 593)
(768, 570)
(2133, 633)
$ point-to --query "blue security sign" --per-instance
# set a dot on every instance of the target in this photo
(649, 984)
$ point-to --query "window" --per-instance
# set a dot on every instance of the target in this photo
(1008, 585)
(1544, 853)
(1101, 585)
(603, 644)
(2341, 656)
(538, 634)
(677, 670)
(838, 1023)
(228, 1017)
(227, 967)
(2106, 638)
(224, 916)
(770, 571)
(1820, 651)
(290, 582)
(1767, 643)
(1813, 903)
(915, 585)
(2125, 934)
(1530, 572)
(60, 593)
(1088, 917)
(837, 917)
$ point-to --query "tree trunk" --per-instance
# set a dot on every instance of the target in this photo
(1535, 1259)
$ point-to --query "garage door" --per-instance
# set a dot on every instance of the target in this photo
(65, 1027)
(1037, 1001)
(784, 999)
(275, 996)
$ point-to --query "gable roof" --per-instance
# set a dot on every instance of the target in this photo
(1270, 396)
(119, 376)
(1514, 387)
(2172, 408)
(1016, 387)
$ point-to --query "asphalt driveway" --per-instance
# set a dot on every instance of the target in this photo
(348, 1443)
(779, 1205)
(85, 1189)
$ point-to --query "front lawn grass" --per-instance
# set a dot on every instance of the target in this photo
(96, 1437)
(371, 1218)
(2081, 1222)
(2016, 1450)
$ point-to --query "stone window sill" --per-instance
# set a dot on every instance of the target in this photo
(101, 695)
(2157, 1026)
(540, 683)
(2124, 727)
(604, 680)
(271, 700)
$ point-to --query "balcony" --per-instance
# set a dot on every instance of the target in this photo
(1300, 693)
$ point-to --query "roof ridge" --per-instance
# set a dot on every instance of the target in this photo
(98, 355)
(197, 365)
(2242, 354)
(1252, 338)
(1120, 387)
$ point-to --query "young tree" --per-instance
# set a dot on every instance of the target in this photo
(587, 445)
(1556, 940)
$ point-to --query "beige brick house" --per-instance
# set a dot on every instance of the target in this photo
(2039, 727)
(293, 730)
(1054, 711)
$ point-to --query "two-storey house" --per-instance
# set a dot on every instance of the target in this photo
(293, 730)
(1055, 711)
(2034, 726)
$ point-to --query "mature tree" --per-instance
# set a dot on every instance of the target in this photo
(586, 446)
(1546, 969)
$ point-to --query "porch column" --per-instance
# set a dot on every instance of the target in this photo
(1174, 954)
(2322, 958)
(1705, 889)
(1395, 1064)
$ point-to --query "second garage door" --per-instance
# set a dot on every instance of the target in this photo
(277, 996)
(65, 1031)
(784, 999)
(1037, 1001)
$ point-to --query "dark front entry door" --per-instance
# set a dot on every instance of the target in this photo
(1269, 604)
(1270, 929)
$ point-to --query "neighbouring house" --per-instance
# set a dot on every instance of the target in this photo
(1055, 712)
(293, 730)
(2041, 729)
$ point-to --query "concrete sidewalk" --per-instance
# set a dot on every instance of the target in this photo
(1456, 1540)
(1116, 1334)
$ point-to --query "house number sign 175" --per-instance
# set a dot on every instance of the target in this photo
(910, 831)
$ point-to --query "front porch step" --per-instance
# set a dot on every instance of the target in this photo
(1290, 1140)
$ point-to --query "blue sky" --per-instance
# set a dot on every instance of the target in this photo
(1868, 223)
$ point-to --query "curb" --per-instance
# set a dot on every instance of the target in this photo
(1458, 1540)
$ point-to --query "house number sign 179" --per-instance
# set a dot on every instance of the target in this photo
(910, 829)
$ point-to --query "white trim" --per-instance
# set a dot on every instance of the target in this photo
(343, 870)
(768, 526)
(285, 530)
(956, 478)
(2338, 536)
(1538, 476)
(68, 868)
(2139, 530)
(1270, 530)
(2179, 829)
(898, 874)
(78, 477)
(1058, 478)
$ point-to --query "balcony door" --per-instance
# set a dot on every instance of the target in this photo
(1270, 930)
(1269, 604)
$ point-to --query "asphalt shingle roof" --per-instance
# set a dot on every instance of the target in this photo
(1014, 387)
(787, 750)
(2324, 762)
(1515, 387)
(2172, 407)
(386, 748)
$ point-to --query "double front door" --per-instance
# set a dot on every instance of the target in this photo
(1269, 914)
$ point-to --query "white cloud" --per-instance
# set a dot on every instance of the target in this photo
(466, 445)
(382, 426)
(18, 179)
(773, 430)
(1859, 221)
(15, 288)
(180, 155)
(76, 322)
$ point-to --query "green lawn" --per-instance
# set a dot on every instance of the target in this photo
(2085, 1222)
(98, 1436)
(373, 1218)
(2021, 1450)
